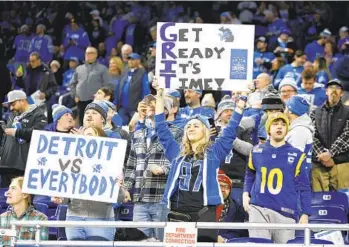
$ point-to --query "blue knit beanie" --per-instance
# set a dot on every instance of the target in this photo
(58, 111)
(298, 105)
(100, 107)
(203, 119)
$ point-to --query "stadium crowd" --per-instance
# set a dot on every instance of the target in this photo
(192, 155)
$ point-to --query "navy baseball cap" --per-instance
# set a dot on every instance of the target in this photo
(134, 56)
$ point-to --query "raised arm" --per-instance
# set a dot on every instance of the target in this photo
(223, 144)
(167, 140)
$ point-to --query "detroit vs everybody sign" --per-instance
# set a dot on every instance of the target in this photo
(74, 166)
(204, 56)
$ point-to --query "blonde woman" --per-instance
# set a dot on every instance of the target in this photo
(192, 191)
(116, 67)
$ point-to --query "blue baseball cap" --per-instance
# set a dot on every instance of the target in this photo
(174, 93)
(134, 56)
(285, 31)
(75, 59)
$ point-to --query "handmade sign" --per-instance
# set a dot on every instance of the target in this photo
(74, 166)
(204, 56)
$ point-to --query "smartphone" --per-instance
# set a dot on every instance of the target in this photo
(212, 123)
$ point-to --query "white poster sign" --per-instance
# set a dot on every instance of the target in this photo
(204, 56)
(74, 166)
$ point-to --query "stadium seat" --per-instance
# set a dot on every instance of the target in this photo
(328, 214)
(52, 207)
(250, 240)
(330, 198)
(61, 215)
(3, 198)
(126, 212)
(300, 240)
(41, 207)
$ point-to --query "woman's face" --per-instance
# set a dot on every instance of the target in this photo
(195, 130)
(89, 132)
(274, 64)
(112, 65)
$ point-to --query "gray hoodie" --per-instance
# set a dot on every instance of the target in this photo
(300, 134)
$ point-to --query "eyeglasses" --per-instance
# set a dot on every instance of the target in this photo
(32, 60)
(287, 91)
(224, 187)
(90, 52)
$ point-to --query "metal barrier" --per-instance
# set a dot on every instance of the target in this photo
(200, 225)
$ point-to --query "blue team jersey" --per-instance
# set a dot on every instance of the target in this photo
(314, 50)
(322, 77)
(275, 177)
(267, 57)
(289, 71)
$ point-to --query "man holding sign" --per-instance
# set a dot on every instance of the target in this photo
(82, 168)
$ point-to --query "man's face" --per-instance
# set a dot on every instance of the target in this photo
(191, 97)
(74, 26)
(261, 82)
(261, 45)
(278, 130)
(151, 108)
(90, 55)
(269, 112)
(17, 106)
(125, 53)
(287, 92)
(301, 60)
(72, 64)
(284, 37)
(39, 30)
(225, 189)
(308, 84)
(92, 118)
(99, 95)
(334, 94)
(133, 63)
(66, 121)
(226, 115)
(101, 47)
(14, 194)
(34, 62)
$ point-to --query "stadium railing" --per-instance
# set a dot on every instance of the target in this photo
(200, 225)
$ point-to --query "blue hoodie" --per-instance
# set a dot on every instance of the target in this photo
(267, 57)
(188, 112)
(314, 50)
(43, 45)
(214, 156)
(81, 37)
(289, 71)
(22, 45)
(317, 96)
(322, 77)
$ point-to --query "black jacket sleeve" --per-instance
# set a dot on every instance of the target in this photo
(39, 122)
(48, 84)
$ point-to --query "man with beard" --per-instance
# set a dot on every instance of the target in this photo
(17, 133)
(192, 99)
(331, 141)
(276, 175)
(230, 211)
(63, 119)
